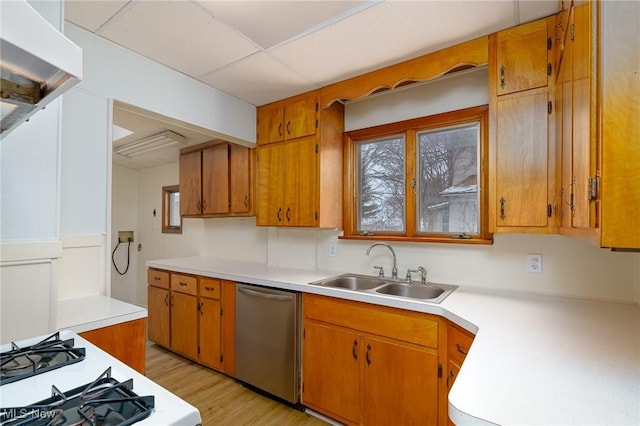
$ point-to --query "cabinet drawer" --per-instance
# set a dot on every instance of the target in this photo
(184, 284)
(158, 278)
(408, 326)
(209, 288)
(458, 343)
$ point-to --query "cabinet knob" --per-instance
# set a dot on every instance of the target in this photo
(354, 350)
(502, 78)
(280, 129)
(279, 214)
(288, 128)
(459, 348)
(367, 355)
(288, 214)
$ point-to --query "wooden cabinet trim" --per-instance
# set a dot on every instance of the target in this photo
(125, 341)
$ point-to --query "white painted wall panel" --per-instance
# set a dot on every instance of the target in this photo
(81, 268)
(85, 156)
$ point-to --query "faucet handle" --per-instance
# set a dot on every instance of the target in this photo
(409, 272)
(423, 277)
(380, 271)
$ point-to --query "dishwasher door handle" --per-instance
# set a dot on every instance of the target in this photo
(264, 295)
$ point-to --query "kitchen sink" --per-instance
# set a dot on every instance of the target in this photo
(353, 282)
(411, 290)
(434, 293)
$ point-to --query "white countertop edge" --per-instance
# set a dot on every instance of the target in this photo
(96, 311)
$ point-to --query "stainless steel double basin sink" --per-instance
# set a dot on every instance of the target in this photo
(433, 293)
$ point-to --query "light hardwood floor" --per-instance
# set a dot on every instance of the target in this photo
(220, 399)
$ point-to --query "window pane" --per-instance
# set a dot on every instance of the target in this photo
(448, 180)
(174, 209)
(381, 173)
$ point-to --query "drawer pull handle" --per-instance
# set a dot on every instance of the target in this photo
(451, 376)
(459, 348)
(354, 350)
(367, 355)
(183, 284)
(502, 77)
(156, 278)
(209, 288)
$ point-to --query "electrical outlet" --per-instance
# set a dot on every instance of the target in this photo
(534, 263)
(332, 250)
(125, 236)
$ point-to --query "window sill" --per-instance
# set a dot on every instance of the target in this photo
(401, 238)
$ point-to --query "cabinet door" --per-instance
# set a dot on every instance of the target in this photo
(190, 183)
(583, 146)
(521, 160)
(215, 179)
(300, 117)
(300, 168)
(210, 336)
(159, 316)
(184, 324)
(522, 58)
(400, 384)
(270, 185)
(240, 178)
(270, 126)
(331, 361)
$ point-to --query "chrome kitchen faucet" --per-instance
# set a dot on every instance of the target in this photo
(394, 271)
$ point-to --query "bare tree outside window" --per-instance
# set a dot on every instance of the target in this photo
(420, 179)
(448, 180)
(381, 203)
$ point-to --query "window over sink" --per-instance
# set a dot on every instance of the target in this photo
(422, 179)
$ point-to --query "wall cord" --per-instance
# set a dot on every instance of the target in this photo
(113, 260)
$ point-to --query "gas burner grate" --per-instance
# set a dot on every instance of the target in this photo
(105, 401)
(48, 354)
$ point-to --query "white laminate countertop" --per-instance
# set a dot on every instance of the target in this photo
(536, 360)
(92, 312)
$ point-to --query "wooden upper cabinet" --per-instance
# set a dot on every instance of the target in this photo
(522, 59)
(288, 119)
(240, 178)
(190, 184)
(522, 165)
(217, 180)
(299, 179)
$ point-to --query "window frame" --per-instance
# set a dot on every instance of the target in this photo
(166, 199)
(410, 128)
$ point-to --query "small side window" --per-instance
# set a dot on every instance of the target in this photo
(171, 219)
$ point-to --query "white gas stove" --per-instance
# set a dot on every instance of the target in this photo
(163, 409)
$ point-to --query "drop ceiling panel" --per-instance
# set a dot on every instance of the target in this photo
(271, 22)
(91, 15)
(179, 34)
(388, 33)
(259, 80)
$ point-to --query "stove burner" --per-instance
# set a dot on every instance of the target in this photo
(105, 402)
(50, 353)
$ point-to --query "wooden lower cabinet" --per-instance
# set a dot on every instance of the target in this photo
(184, 324)
(159, 315)
(187, 316)
(400, 383)
(331, 361)
(125, 341)
(359, 378)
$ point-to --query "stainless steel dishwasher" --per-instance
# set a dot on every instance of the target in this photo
(267, 335)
